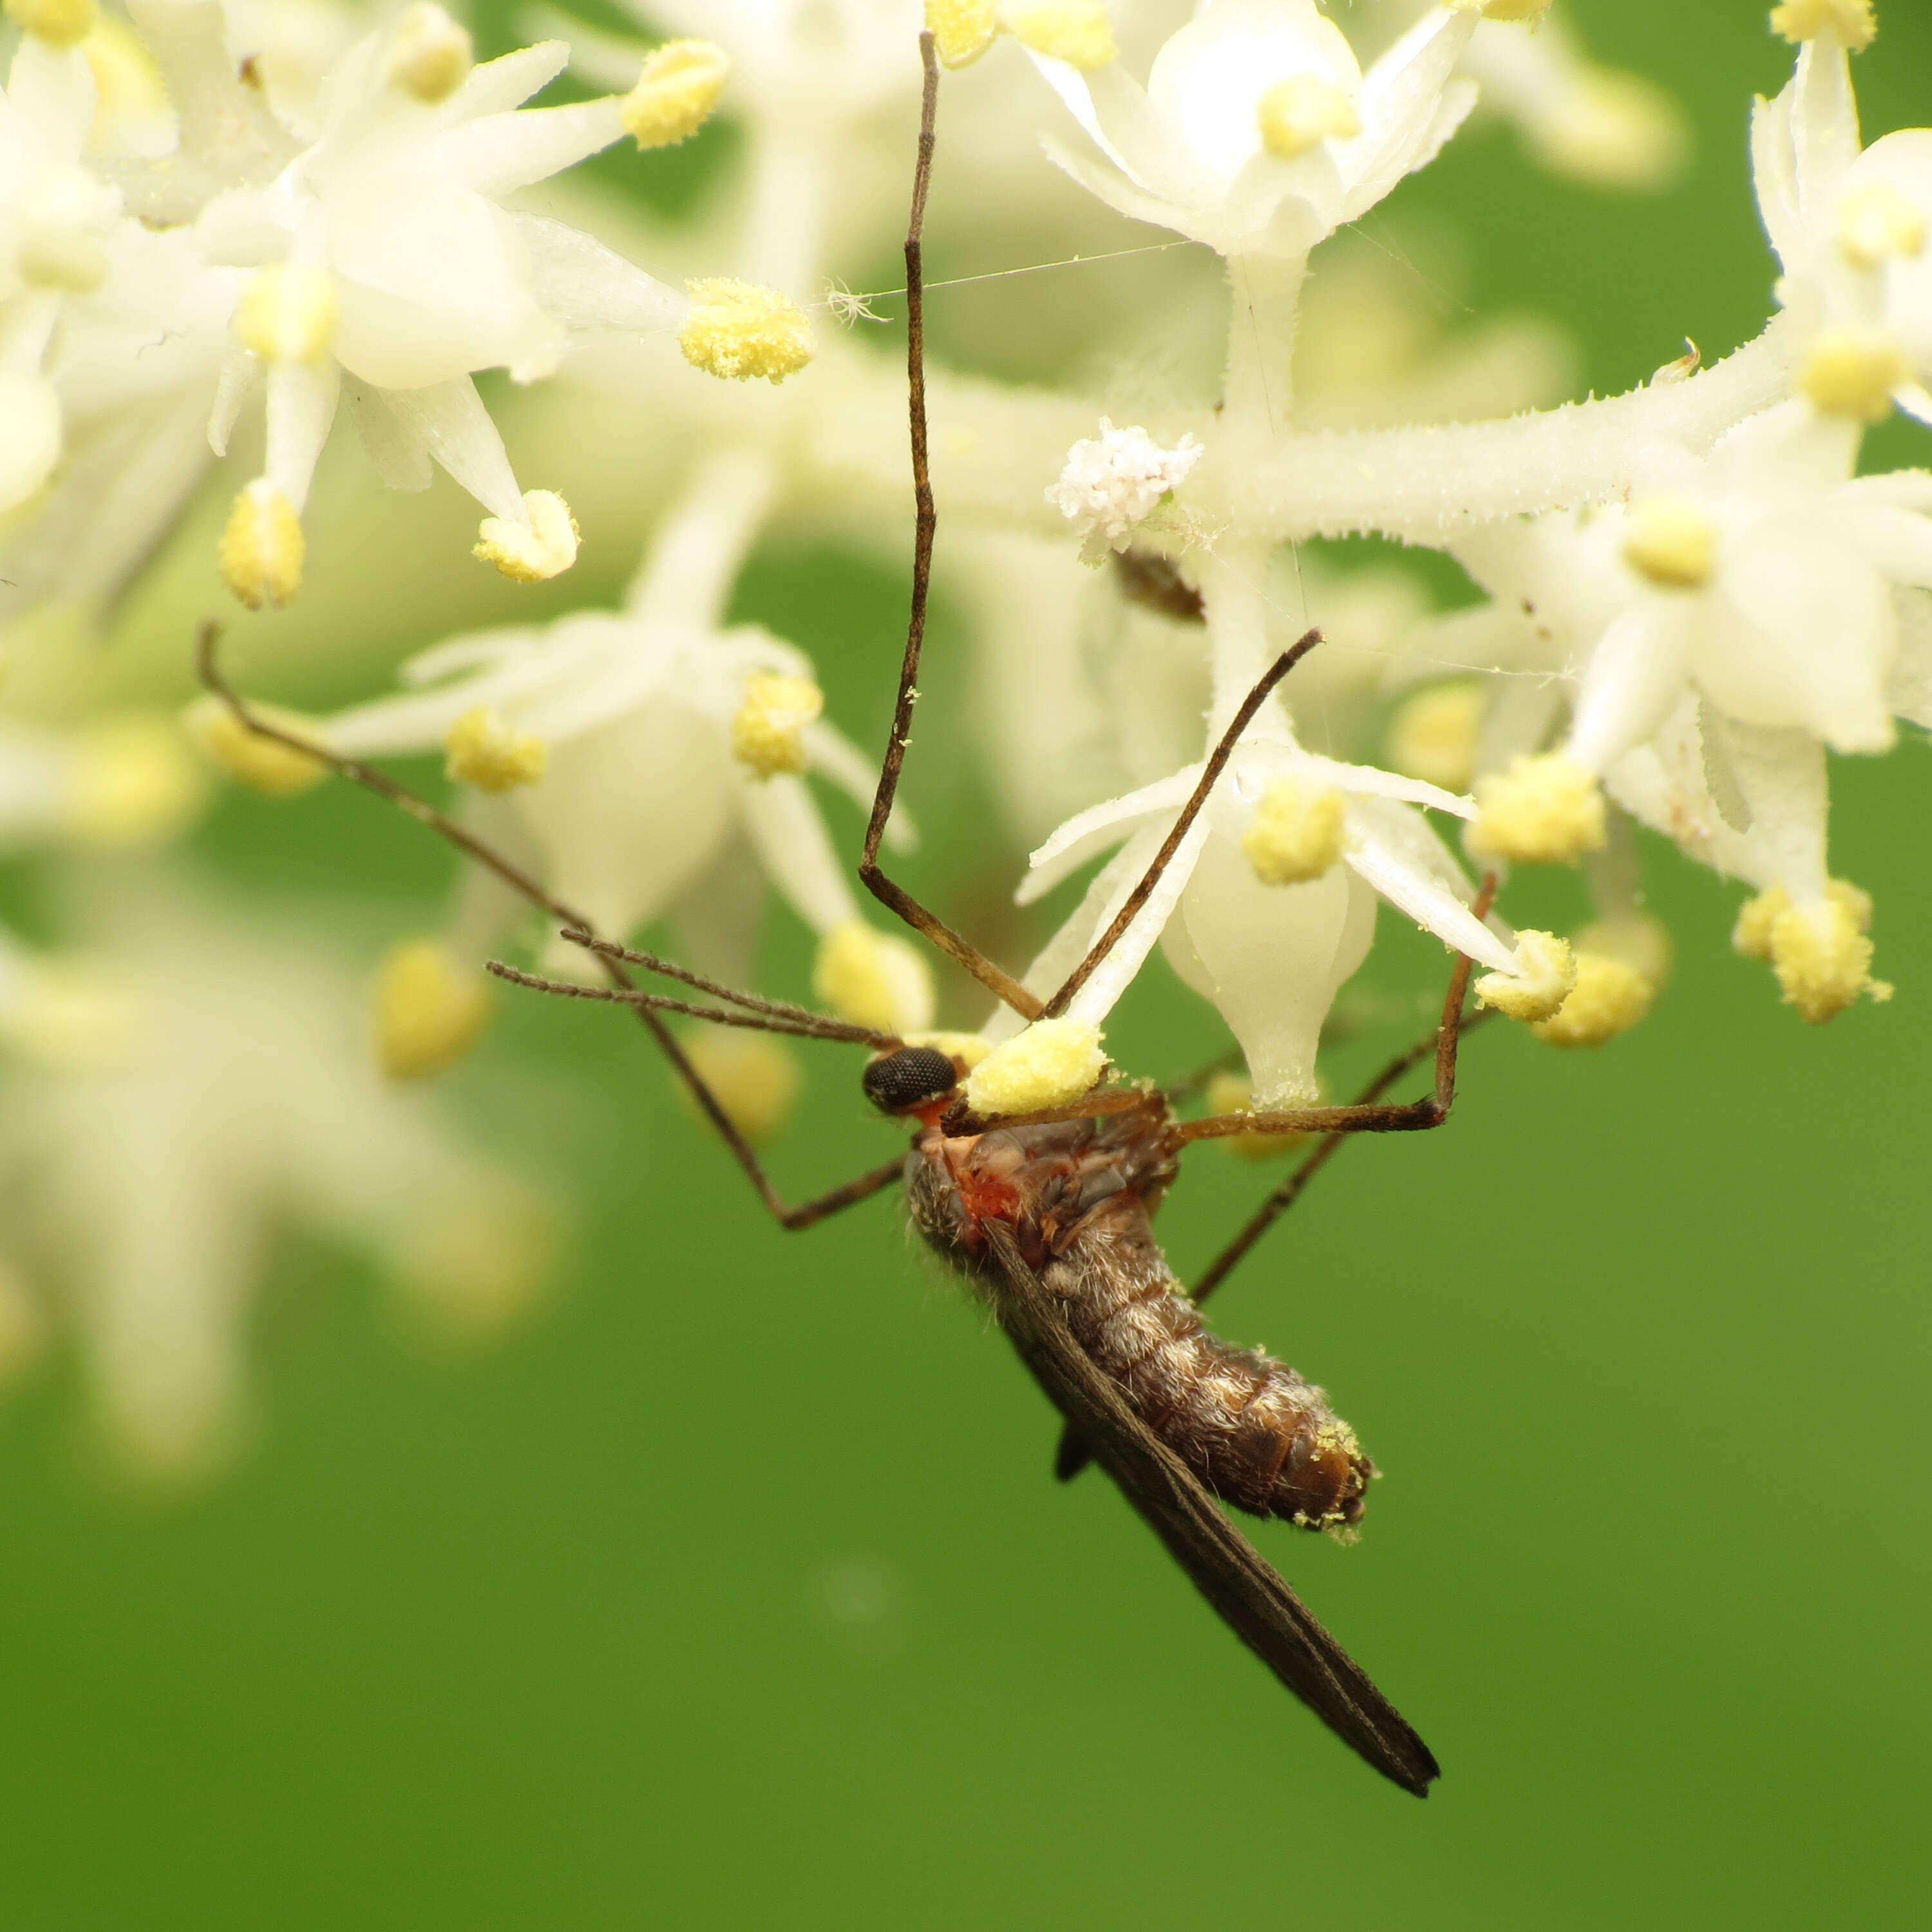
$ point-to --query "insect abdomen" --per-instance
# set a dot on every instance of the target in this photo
(1256, 1432)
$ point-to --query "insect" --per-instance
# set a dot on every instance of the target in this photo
(1049, 1215)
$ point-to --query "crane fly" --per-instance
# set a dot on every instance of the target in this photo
(1049, 1216)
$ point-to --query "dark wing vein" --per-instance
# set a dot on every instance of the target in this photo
(1252, 1599)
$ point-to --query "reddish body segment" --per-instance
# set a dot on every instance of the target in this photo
(1078, 1198)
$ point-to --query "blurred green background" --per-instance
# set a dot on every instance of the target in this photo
(736, 1592)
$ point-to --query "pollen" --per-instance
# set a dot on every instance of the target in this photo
(1076, 32)
(1296, 116)
(1296, 835)
(1877, 224)
(873, 980)
(1820, 951)
(754, 1078)
(490, 755)
(543, 547)
(768, 734)
(61, 23)
(1545, 974)
(1050, 1064)
(740, 332)
(130, 780)
(962, 30)
(1434, 733)
(677, 88)
(430, 55)
(1608, 998)
(1850, 21)
(1849, 372)
(261, 548)
(1542, 810)
(1671, 542)
(288, 314)
(1235, 1094)
(246, 756)
(429, 1010)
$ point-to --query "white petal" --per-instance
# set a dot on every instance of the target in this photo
(452, 424)
(587, 286)
(399, 456)
(1384, 846)
(789, 838)
(1072, 844)
(1634, 677)
(301, 407)
(500, 84)
(501, 153)
(1115, 973)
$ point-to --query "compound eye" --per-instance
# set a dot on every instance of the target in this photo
(897, 1082)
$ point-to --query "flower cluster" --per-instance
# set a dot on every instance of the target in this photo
(219, 223)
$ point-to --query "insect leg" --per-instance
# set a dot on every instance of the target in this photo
(1216, 764)
(888, 892)
(419, 809)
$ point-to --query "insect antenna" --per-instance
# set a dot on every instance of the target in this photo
(762, 1019)
(391, 790)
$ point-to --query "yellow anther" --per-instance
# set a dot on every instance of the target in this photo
(1877, 223)
(1546, 973)
(1076, 32)
(968, 1048)
(1051, 1063)
(768, 734)
(677, 88)
(131, 780)
(1502, 10)
(1848, 372)
(752, 1076)
(1235, 1094)
(962, 29)
(430, 55)
(260, 550)
(1671, 541)
(739, 330)
(61, 23)
(429, 1009)
(1850, 21)
(873, 980)
(259, 762)
(71, 1017)
(1296, 833)
(1545, 810)
(1608, 998)
(544, 547)
(487, 753)
(1298, 114)
(1820, 951)
(1434, 733)
(288, 314)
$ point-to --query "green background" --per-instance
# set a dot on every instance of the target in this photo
(736, 1592)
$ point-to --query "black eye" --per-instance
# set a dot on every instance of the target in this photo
(907, 1078)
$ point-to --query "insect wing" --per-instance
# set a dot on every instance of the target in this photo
(1252, 1599)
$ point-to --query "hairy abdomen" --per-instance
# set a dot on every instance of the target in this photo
(1256, 1434)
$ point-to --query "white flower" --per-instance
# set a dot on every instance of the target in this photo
(1850, 226)
(1270, 957)
(1192, 153)
(189, 1087)
(645, 801)
(1114, 482)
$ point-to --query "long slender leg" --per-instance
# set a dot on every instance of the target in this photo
(888, 892)
(1366, 1117)
(1216, 764)
(514, 876)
